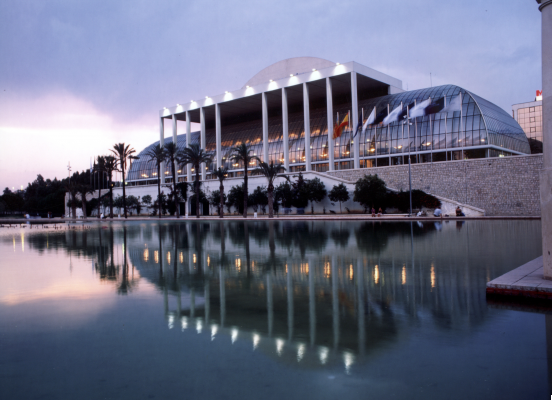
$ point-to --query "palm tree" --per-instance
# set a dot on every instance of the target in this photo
(83, 190)
(100, 167)
(172, 151)
(270, 172)
(110, 167)
(221, 173)
(158, 154)
(241, 153)
(196, 156)
(123, 153)
(73, 189)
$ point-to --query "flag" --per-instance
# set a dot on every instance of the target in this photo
(419, 110)
(393, 116)
(435, 106)
(338, 129)
(370, 120)
(404, 112)
(380, 116)
(454, 105)
(359, 124)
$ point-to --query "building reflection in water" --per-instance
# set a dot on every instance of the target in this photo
(313, 294)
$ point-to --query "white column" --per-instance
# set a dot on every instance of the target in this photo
(354, 116)
(329, 107)
(546, 174)
(265, 128)
(285, 126)
(174, 141)
(202, 139)
(162, 143)
(188, 141)
(218, 136)
(306, 113)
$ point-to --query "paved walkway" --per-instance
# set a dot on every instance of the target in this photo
(527, 281)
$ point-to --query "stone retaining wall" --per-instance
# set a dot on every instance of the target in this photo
(500, 186)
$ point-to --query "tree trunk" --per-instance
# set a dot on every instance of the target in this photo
(270, 193)
(124, 193)
(159, 188)
(197, 190)
(83, 199)
(99, 201)
(245, 189)
(221, 192)
(110, 196)
(174, 189)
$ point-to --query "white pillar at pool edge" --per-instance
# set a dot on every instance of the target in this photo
(306, 114)
(329, 107)
(265, 128)
(218, 136)
(285, 132)
(202, 139)
(354, 122)
(175, 142)
(187, 143)
(545, 6)
(162, 143)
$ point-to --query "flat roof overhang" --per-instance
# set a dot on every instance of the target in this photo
(248, 100)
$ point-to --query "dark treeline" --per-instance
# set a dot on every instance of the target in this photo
(41, 196)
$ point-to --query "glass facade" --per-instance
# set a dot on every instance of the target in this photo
(480, 130)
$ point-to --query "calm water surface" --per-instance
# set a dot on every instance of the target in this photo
(283, 310)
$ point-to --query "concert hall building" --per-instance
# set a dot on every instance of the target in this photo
(286, 111)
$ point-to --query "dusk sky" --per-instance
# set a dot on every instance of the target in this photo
(77, 77)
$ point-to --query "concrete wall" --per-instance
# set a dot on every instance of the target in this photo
(500, 186)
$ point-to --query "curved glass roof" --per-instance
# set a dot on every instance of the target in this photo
(481, 124)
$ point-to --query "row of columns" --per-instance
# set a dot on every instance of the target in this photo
(285, 123)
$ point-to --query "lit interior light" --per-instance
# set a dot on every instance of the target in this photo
(291, 75)
(226, 92)
(178, 104)
(337, 63)
(191, 101)
(400, 147)
(179, 170)
(403, 276)
(206, 97)
(376, 274)
(432, 277)
(248, 86)
(271, 80)
(314, 69)
(372, 150)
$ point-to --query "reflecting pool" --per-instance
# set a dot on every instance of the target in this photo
(256, 309)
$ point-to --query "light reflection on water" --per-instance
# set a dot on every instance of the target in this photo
(318, 296)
